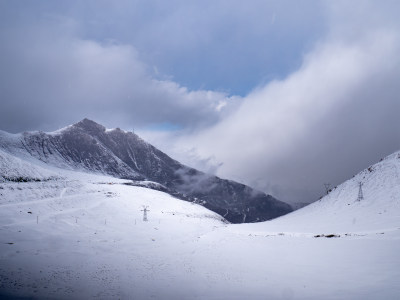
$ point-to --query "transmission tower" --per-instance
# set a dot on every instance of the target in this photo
(145, 210)
(327, 187)
(360, 192)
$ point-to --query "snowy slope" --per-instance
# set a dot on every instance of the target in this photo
(81, 236)
(14, 168)
(76, 240)
(340, 212)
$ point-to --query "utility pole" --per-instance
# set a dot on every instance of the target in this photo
(360, 192)
(145, 210)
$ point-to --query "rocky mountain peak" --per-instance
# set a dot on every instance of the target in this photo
(90, 126)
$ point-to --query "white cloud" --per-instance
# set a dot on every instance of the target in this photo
(320, 124)
(63, 78)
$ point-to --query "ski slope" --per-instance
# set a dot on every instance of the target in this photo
(76, 235)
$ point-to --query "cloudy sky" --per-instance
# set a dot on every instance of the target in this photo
(281, 95)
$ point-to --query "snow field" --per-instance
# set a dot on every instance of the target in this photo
(81, 236)
(94, 230)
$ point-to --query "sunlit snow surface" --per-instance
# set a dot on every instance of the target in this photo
(80, 236)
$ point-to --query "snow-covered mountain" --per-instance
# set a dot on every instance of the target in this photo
(76, 235)
(341, 212)
(89, 146)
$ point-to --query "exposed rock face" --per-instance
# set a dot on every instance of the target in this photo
(88, 145)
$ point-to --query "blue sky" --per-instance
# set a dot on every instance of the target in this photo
(281, 95)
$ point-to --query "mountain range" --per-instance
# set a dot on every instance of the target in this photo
(89, 146)
(74, 234)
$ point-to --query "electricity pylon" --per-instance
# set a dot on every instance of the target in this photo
(145, 210)
(327, 187)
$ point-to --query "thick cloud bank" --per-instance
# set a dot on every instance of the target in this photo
(330, 118)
